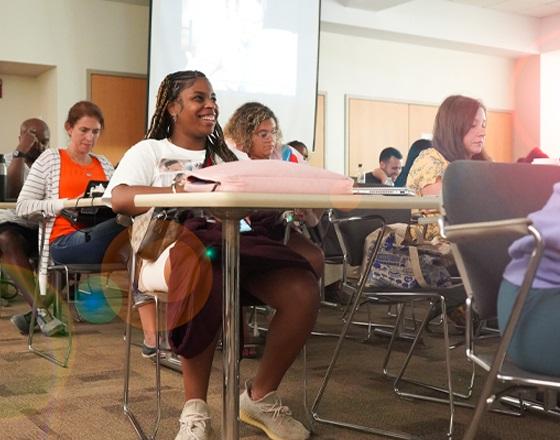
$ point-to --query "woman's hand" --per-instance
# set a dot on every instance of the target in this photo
(309, 216)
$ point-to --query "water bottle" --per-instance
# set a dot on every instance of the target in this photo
(3, 178)
(361, 175)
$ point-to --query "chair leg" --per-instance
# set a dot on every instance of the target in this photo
(141, 434)
(399, 377)
(328, 374)
(483, 402)
(57, 312)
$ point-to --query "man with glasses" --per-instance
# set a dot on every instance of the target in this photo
(18, 236)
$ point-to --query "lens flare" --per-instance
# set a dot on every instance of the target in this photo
(98, 299)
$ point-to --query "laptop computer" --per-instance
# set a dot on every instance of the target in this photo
(95, 188)
(383, 191)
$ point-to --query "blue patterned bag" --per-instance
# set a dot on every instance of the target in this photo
(407, 266)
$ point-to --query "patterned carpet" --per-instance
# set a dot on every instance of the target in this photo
(43, 401)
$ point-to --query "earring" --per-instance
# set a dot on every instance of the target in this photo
(174, 117)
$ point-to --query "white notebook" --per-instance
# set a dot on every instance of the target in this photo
(383, 191)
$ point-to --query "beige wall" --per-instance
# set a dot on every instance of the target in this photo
(375, 125)
(18, 92)
(74, 36)
(399, 72)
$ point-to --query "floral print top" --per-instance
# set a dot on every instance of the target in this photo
(426, 169)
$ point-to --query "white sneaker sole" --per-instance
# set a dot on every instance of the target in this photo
(246, 418)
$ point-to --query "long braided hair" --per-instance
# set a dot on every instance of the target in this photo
(162, 124)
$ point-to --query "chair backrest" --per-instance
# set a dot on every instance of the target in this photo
(476, 191)
(354, 233)
(324, 236)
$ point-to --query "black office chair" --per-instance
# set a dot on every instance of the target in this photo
(486, 206)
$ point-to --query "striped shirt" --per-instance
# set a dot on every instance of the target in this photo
(39, 198)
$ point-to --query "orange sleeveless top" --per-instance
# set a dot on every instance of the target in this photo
(73, 181)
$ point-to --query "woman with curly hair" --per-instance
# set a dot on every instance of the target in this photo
(254, 129)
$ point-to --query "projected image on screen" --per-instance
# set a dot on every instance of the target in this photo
(250, 50)
(241, 62)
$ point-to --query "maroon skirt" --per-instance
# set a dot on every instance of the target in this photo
(194, 313)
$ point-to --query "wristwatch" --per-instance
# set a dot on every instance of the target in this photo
(18, 153)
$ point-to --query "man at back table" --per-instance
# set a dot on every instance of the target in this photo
(390, 165)
(19, 237)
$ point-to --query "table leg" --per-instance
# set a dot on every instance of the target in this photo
(230, 415)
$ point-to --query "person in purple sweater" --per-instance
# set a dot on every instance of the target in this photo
(535, 345)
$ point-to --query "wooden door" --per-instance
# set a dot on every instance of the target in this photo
(123, 102)
(420, 122)
(373, 126)
(499, 136)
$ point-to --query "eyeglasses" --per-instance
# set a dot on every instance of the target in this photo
(263, 134)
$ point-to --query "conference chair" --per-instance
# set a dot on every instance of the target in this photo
(486, 207)
(352, 229)
(160, 299)
(64, 277)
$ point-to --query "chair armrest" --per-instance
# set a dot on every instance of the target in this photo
(481, 229)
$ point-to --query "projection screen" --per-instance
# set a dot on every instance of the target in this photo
(251, 50)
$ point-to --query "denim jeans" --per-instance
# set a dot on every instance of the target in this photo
(535, 345)
(86, 246)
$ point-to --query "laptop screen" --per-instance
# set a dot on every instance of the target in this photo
(95, 188)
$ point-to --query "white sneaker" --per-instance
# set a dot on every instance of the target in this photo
(271, 416)
(49, 324)
(195, 421)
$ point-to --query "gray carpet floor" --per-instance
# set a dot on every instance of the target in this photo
(39, 400)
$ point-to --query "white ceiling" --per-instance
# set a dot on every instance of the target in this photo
(531, 8)
(134, 2)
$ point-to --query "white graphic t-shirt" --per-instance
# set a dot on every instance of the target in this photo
(157, 163)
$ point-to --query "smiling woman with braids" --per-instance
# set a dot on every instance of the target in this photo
(184, 128)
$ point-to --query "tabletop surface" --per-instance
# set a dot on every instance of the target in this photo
(272, 201)
(84, 202)
(265, 200)
(68, 203)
